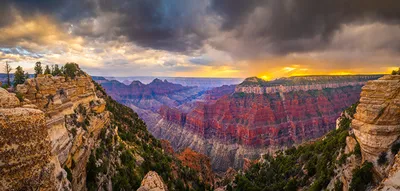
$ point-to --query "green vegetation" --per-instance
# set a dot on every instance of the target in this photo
(38, 68)
(395, 148)
(47, 70)
(69, 173)
(394, 72)
(71, 70)
(362, 177)
(382, 158)
(56, 71)
(19, 76)
(140, 153)
(19, 96)
(309, 164)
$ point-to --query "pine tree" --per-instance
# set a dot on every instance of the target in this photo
(7, 69)
(47, 70)
(19, 76)
(56, 71)
(38, 69)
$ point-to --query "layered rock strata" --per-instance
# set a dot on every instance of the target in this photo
(71, 119)
(244, 125)
(306, 83)
(26, 161)
(376, 123)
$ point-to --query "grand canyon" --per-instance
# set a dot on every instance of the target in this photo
(199, 95)
(236, 122)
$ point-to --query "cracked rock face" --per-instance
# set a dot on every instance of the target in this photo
(376, 123)
(8, 100)
(25, 150)
(152, 182)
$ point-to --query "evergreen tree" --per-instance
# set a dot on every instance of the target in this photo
(56, 71)
(38, 69)
(47, 70)
(7, 69)
(70, 70)
(19, 76)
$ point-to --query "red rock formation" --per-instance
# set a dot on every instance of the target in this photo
(267, 120)
(173, 115)
(218, 92)
(199, 163)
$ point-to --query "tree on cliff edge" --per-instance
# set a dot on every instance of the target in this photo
(38, 69)
(19, 76)
(47, 70)
(7, 69)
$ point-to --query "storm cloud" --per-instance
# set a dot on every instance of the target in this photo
(229, 33)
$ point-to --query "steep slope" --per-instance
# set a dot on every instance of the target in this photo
(26, 161)
(247, 123)
(66, 133)
(361, 154)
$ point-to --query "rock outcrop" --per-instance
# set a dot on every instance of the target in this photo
(243, 126)
(66, 122)
(26, 161)
(301, 83)
(376, 123)
(152, 182)
(199, 163)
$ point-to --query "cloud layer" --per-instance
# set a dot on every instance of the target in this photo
(204, 37)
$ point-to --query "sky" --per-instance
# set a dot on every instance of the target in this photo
(203, 38)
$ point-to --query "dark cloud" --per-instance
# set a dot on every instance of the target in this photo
(160, 24)
(296, 26)
(254, 27)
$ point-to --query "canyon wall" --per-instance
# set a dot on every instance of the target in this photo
(298, 83)
(26, 160)
(68, 117)
(244, 125)
(376, 123)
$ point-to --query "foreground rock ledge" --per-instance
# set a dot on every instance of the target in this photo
(152, 182)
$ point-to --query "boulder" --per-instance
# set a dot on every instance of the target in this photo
(8, 100)
(152, 182)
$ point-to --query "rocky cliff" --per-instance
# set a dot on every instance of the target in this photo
(376, 123)
(66, 133)
(301, 83)
(242, 125)
(74, 118)
(26, 160)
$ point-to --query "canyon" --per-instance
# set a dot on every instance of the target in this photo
(232, 123)
(65, 133)
(361, 153)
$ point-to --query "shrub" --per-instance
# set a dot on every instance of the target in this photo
(69, 173)
(19, 96)
(357, 150)
(362, 177)
(395, 148)
(73, 131)
(382, 158)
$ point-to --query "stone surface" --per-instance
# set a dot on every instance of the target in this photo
(376, 123)
(71, 118)
(199, 163)
(350, 145)
(25, 151)
(152, 182)
(8, 100)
